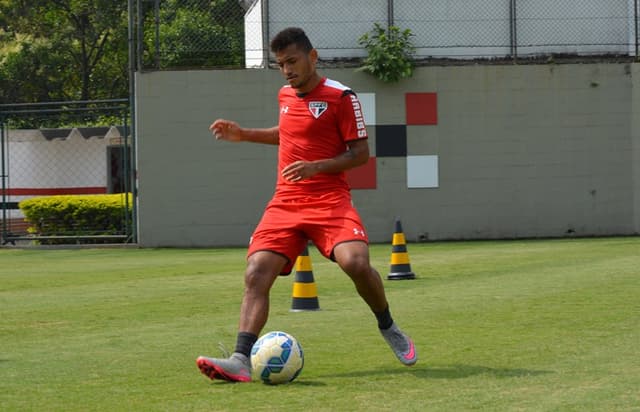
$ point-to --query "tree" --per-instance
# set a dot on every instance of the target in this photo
(63, 49)
(26, 75)
(78, 50)
(197, 34)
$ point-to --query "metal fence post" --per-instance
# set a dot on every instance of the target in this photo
(390, 18)
(156, 13)
(137, 21)
(134, 45)
(265, 33)
(4, 181)
(635, 20)
(513, 32)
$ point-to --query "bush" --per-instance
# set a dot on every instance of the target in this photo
(81, 216)
(390, 53)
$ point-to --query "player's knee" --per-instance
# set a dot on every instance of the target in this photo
(259, 277)
(254, 276)
(356, 265)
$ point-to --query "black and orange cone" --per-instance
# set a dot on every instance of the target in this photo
(305, 292)
(400, 266)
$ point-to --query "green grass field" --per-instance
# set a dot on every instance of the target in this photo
(545, 325)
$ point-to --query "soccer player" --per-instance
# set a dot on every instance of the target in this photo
(320, 133)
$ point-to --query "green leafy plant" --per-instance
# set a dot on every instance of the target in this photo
(390, 53)
(76, 215)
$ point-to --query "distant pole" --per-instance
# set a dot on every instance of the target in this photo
(135, 63)
(390, 21)
(139, 39)
(635, 16)
(4, 176)
(513, 29)
(156, 13)
(265, 33)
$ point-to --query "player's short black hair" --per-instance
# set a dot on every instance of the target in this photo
(289, 36)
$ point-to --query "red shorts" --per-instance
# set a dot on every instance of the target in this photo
(287, 226)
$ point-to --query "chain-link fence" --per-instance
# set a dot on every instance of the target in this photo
(66, 156)
(236, 33)
(189, 33)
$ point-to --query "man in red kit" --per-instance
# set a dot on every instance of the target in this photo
(321, 133)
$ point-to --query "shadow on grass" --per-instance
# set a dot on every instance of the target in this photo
(450, 372)
(297, 382)
(302, 382)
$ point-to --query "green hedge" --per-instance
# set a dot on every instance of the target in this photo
(77, 215)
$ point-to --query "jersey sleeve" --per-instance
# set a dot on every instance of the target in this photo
(351, 118)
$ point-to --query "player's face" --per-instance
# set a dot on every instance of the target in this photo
(298, 67)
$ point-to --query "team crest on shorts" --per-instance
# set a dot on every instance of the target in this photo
(317, 108)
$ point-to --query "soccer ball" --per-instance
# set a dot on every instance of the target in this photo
(277, 357)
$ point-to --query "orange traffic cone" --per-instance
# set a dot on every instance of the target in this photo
(400, 266)
(305, 293)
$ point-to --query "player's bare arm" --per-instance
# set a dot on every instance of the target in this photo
(357, 154)
(230, 131)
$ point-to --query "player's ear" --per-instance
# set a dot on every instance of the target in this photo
(313, 55)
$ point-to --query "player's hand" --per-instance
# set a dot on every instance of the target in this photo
(226, 130)
(299, 170)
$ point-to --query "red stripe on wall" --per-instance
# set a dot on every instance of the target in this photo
(52, 191)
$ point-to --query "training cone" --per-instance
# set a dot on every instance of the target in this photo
(400, 266)
(305, 292)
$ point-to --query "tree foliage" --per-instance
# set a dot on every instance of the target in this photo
(58, 50)
(62, 50)
(196, 33)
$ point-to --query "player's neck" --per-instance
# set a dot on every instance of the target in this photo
(311, 84)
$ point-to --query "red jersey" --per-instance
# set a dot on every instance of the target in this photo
(314, 126)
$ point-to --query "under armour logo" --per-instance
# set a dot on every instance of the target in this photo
(357, 231)
(284, 109)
